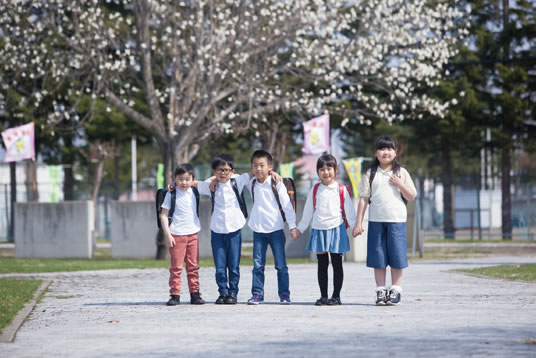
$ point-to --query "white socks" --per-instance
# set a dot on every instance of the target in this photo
(397, 288)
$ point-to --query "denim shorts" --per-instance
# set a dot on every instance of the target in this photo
(386, 245)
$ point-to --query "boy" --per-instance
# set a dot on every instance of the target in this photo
(182, 235)
(270, 203)
(228, 218)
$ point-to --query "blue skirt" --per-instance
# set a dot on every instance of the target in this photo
(332, 240)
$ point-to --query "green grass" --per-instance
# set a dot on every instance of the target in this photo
(466, 241)
(13, 295)
(506, 272)
(13, 265)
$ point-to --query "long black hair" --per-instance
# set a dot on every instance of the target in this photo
(386, 142)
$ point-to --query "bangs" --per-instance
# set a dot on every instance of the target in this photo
(386, 142)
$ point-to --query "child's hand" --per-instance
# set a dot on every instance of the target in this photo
(170, 240)
(194, 183)
(213, 185)
(358, 230)
(276, 177)
(171, 187)
(396, 181)
(295, 233)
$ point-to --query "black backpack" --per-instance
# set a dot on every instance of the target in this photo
(239, 197)
(291, 191)
(373, 170)
(161, 195)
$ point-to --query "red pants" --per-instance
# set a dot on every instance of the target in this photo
(185, 250)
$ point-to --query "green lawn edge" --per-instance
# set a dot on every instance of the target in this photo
(524, 272)
(13, 296)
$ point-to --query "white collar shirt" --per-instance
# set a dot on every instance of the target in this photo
(227, 216)
(265, 215)
(185, 220)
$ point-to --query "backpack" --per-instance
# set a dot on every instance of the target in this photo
(373, 170)
(239, 197)
(341, 196)
(291, 191)
(161, 195)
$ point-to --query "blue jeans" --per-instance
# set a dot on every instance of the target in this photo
(226, 249)
(386, 245)
(276, 240)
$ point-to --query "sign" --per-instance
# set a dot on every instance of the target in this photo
(316, 135)
(19, 143)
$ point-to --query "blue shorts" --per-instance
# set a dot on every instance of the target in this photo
(386, 245)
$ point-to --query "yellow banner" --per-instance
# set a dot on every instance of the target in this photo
(286, 170)
(353, 168)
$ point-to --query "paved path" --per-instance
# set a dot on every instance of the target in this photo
(122, 314)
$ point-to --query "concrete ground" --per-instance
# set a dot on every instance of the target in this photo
(122, 314)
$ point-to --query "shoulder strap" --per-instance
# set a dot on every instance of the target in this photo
(315, 189)
(240, 198)
(212, 200)
(253, 190)
(276, 194)
(172, 206)
(341, 195)
(196, 194)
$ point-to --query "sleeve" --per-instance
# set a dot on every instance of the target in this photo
(349, 209)
(203, 188)
(408, 181)
(242, 181)
(286, 205)
(364, 186)
(307, 214)
(166, 204)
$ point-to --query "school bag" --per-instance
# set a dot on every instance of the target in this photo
(291, 191)
(373, 170)
(239, 197)
(159, 199)
(341, 196)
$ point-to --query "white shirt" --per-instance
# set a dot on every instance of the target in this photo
(386, 204)
(227, 216)
(328, 212)
(265, 215)
(185, 220)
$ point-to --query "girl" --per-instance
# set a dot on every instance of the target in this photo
(330, 207)
(386, 186)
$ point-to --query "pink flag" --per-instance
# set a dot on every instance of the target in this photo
(316, 135)
(19, 143)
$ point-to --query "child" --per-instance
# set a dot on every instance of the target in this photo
(228, 217)
(181, 235)
(270, 203)
(386, 186)
(330, 207)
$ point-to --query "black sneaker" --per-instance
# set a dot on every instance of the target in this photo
(334, 301)
(174, 300)
(394, 297)
(381, 297)
(221, 300)
(230, 299)
(322, 301)
(195, 299)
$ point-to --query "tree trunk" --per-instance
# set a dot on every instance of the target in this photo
(506, 205)
(68, 180)
(116, 177)
(446, 178)
(31, 179)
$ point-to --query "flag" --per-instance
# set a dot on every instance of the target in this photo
(160, 182)
(54, 172)
(19, 143)
(353, 167)
(316, 135)
(287, 170)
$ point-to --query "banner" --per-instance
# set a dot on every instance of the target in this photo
(287, 170)
(316, 135)
(160, 182)
(54, 172)
(353, 168)
(19, 143)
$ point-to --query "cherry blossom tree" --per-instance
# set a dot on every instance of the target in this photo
(188, 70)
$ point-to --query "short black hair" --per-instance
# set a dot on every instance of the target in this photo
(385, 142)
(328, 160)
(260, 153)
(185, 168)
(222, 159)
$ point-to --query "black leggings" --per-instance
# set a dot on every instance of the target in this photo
(338, 274)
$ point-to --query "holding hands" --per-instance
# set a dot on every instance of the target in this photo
(358, 230)
(295, 233)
